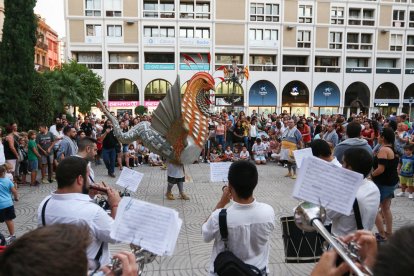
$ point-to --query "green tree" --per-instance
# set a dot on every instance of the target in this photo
(75, 85)
(140, 110)
(17, 61)
(43, 107)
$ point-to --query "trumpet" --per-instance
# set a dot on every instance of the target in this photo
(310, 217)
(142, 257)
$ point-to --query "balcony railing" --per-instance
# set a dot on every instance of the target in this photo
(295, 68)
(42, 45)
(92, 65)
(125, 66)
(327, 69)
(260, 67)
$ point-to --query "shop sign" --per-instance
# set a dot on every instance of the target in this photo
(199, 67)
(159, 41)
(409, 71)
(388, 71)
(159, 66)
(386, 102)
(359, 70)
(381, 104)
(200, 42)
(151, 103)
(123, 103)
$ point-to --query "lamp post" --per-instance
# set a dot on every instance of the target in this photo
(236, 77)
(410, 101)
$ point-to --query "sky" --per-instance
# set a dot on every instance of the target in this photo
(53, 11)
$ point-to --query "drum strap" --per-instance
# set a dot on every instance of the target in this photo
(357, 214)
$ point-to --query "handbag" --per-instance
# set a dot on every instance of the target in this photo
(226, 263)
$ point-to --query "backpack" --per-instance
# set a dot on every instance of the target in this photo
(226, 263)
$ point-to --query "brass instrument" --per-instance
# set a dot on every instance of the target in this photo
(142, 257)
(310, 217)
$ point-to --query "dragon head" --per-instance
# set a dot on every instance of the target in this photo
(202, 83)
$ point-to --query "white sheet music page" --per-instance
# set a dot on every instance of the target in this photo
(147, 225)
(130, 179)
(219, 171)
(300, 155)
(324, 183)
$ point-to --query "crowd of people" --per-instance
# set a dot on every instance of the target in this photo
(380, 148)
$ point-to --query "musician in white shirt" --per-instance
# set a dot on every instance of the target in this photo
(71, 203)
(249, 222)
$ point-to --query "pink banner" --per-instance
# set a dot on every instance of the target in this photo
(123, 103)
(151, 103)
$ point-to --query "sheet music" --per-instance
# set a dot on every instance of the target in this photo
(300, 155)
(130, 179)
(324, 183)
(219, 171)
(154, 228)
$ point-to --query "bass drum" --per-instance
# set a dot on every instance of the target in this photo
(300, 246)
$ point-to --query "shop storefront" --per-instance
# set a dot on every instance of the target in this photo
(262, 97)
(356, 98)
(408, 107)
(386, 100)
(123, 97)
(326, 99)
(295, 98)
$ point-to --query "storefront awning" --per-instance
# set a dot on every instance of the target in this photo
(263, 93)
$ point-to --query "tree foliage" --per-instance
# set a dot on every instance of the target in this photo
(17, 61)
(141, 110)
(75, 85)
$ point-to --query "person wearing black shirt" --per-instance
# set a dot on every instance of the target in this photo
(109, 143)
(87, 127)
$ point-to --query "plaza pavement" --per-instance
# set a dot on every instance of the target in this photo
(192, 255)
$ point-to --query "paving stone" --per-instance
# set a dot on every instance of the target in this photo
(192, 255)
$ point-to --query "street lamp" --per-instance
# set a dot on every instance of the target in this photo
(236, 77)
(410, 101)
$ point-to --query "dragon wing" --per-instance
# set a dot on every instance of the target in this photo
(168, 110)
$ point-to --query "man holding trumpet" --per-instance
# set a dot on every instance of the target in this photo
(71, 203)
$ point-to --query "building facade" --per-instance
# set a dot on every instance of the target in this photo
(47, 52)
(1, 18)
(303, 56)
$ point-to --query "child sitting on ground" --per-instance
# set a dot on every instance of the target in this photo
(7, 213)
(154, 159)
(214, 157)
(228, 154)
(244, 154)
(236, 155)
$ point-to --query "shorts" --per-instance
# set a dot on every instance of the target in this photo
(259, 158)
(386, 192)
(406, 180)
(117, 148)
(125, 148)
(33, 165)
(7, 214)
(45, 158)
(174, 180)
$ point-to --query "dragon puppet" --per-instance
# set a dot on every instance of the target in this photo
(179, 127)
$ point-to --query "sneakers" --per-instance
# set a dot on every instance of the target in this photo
(293, 176)
(10, 239)
(45, 181)
(169, 196)
(400, 194)
(410, 196)
(184, 196)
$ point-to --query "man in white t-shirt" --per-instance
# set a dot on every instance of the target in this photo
(249, 222)
(71, 203)
(368, 195)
